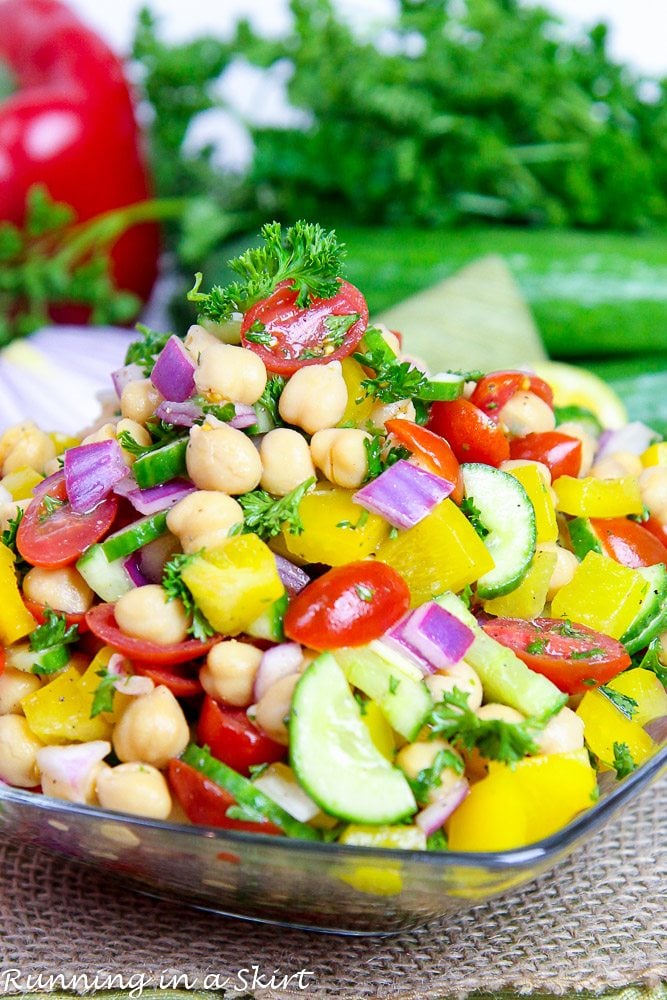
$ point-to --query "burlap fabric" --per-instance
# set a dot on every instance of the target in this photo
(599, 922)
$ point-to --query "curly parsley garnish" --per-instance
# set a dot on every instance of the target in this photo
(144, 352)
(380, 458)
(176, 588)
(265, 515)
(50, 641)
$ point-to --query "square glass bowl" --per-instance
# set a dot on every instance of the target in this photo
(326, 887)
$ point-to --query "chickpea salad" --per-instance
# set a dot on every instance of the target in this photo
(295, 584)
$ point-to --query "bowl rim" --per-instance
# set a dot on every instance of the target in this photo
(541, 851)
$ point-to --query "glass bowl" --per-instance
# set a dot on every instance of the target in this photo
(325, 887)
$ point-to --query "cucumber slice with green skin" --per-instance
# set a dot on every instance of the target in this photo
(245, 792)
(509, 516)
(161, 465)
(505, 678)
(390, 680)
(333, 756)
(134, 536)
(107, 578)
(651, 619)
(50, 660)
(442, 387)
(270, 624)
(583, 537)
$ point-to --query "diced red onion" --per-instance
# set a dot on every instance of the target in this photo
(276, 663)
(91, 472)
(184, 414)
(437, 635)
(126, 485)
(396, 640)
(245, 417)
(435, 815)
(293, 578)
(634, 437)
(133, 570)
(67, 770)
(128, 683)
(119, 665)
(162, 497)
(403, 494)
(122, 376)
(173, 373)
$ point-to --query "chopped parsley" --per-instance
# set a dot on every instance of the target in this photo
(393, 380)
(474, 515)
(50, 505)
(50, 641)
(437, 841)
(258, 334)
(104, 693)
(144, 352)
(624, 763)
(265, 515)
(361, 522)
(270, 398)
(380, 458)
(586, 654)
(176, 588)
(364, 593)
(8, 539)
(362, 702)
(536, 647)
(430, 777)
(623, 702)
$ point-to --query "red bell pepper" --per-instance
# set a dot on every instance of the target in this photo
(69, 125)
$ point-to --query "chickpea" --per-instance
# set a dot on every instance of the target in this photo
(197, 339)
(18, 752)
(229, 372)
(589, 443)
(62, 589)
(83, 770)
(525, 413)
(562, 734)
(273, 708)
(617, 465)
(25, 446)
(563, 571)
(147, 613)
(137, 433)
(230, 671)
(152, 729)
(653, 487)
(341, 455)
(286, 461)
(501, 713)
(9, 511)
(460, 676)
(136, 788)
(516, 463)
(402, 409)
(222, 458)
(14, 685)
(203, 519)
(139, 400)
(107, 432)
(416, 757)
(315, 397)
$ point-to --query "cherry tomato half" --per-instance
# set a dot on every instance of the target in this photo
(628, 543)
(57, 538)
(102, 623)
(298, 335)
(559, 452)
(38, 612)
(348, 606)
(178, 677)
(206, 803)
(433, 452)
(574, 657)
(494, 390)
(232, 738)
(474, 437)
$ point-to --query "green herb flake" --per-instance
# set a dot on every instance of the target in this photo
(474, 516)
(536, 647)
(623, 763)
(364, 593)
(176, 589)
(265, 515)
(104, 693)
(623, 702)
(586, 654)
(394, 683)
(50, 505)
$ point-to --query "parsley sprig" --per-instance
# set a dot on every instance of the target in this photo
(145, 350)
(379, 457)
(104, 693)
(176, 588)
(265, 515)
(624, 763)
(393, 380)
(305, 254)
(474, 515)
(50, 641)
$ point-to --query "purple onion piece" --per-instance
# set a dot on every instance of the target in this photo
(245, 417)
(184, 414)
(294, 578)
(435, 815)
(403, 494)
(173, 373)
(276, 663)
(133, 570)
(161, 497)
(126, 485)
(395, 639)
(437, 635)
(91, 472)
(635, 437)
(122, 376)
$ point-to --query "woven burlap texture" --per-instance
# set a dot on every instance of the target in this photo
(598, 922)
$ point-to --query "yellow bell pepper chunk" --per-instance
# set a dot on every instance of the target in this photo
(591, 497)
(528, 599)
(491, 818)
(647, 691)
(15, 620)
(21, 483)
(359, 406)
(540, 497)
(379, 729)
(64, 441)
(335, 529)
(443, 552)
(60, 711)
(605, 724)
(655, 454)
(408, 837)
(602, 594)
(234, 583)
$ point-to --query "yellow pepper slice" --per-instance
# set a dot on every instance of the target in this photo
(443, 552)
(602, 594)
(359, 406)
(21, 483)
(591, 497)
(540, 497)
(492, 817)
(647, 691)
(379, 729)
(528, 599)
(605, 724)
(655, 454)
(335, 529)
(60, 711)
(15, 620)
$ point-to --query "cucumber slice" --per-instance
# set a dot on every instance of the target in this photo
(442, 387)
(134, 536)
(108, 578)
(505, 678)
(651, 619)
(509, 516)
(583, 537)
(333, 756)
(270, 624)
(390, 680)
(161, 465)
